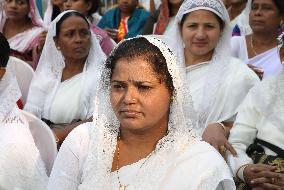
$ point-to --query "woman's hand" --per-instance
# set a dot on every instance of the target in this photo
(257, 70)
(42, 38)
(215, 135)
(262, 177)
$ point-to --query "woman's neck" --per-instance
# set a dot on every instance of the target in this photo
(13, 27)
(194, 59)
(72, 68)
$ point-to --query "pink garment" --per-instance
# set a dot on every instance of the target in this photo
(106, 43)
(24, 42)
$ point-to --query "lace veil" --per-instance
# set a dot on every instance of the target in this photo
(9, 94)
(97, 168)
(216, 73)
(49, 71)
(269, 95)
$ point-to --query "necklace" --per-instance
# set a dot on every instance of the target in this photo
(121, 186)
(252, 47)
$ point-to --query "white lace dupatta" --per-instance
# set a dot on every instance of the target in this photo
(9, 95)
(97, 168)
(48, 75)
(216, 73)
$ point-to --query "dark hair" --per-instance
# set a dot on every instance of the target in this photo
(221, 22)
(279, 4)
(5, 51)
(67, 15)
(94, 7)
(55, 12)
(142, 48)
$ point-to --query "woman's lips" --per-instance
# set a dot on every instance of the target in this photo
(129, 113)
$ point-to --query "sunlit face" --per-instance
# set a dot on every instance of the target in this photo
(200, 33)
(2, 72)
(74, 39)
(138, 97)
(16, 9)
(264, 16)
(78, 5)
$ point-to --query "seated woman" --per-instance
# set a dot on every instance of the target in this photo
(88, 8)
(67, 74)
(124, 21)
(259, 49)
(218, 82)
(20, 161)
(163, 19)
(141, 137)
(21, 30)
(258, 134)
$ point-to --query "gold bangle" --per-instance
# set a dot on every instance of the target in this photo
(223, 126)
(243, 166)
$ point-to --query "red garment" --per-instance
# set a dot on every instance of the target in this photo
(20, 104)
(163, 19)
(122, 29)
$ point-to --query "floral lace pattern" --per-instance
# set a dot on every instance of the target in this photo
(104, 135)
(9, 95)
(218, 64)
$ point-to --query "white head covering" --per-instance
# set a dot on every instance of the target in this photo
(243, 20)
(49, 71)
(269, 95)
(97, 168)
(9, 95)
(218, 63)
(28, 39)
(48, 14)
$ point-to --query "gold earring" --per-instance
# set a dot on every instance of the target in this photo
(58, 47)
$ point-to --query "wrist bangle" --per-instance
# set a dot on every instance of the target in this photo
(242, 167)
(223, 126)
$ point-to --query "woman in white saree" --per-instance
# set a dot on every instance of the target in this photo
(258, 134)
(21, 166)
(217, 81)
(67, 74)
(141, 137)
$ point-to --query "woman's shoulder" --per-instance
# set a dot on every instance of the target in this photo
(240, 69)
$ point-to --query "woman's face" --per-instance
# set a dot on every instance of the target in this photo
(74, 38)
(139, 99)
(16, 9)
(200, 33)
(264, 16)
(78, 5)
(127, 6)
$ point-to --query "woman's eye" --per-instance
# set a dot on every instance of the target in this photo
(117, 86)
(191, 26)
(144, 87)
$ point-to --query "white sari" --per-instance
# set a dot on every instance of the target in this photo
(46, 85)
(21, 166)
(269, 60)
(179, 161)
(221, 85)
